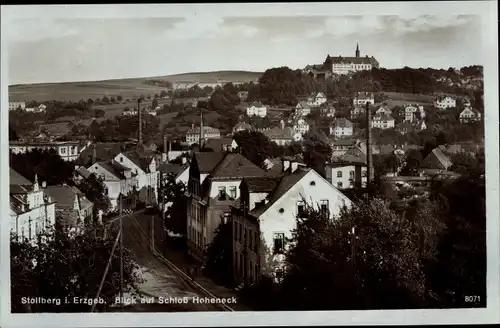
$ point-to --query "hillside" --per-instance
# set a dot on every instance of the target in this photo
(127, 88)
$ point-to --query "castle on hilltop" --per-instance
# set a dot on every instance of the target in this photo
(342, 65)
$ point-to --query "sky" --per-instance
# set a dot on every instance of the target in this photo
(65, 48)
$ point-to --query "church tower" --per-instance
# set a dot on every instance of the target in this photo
(357, 50)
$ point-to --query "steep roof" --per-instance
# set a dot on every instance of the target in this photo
(261, 184)
(242, 126)
(277, 133)
(114, 168)
(207, 161)
(217, 144)
(64, 196)
(235, 166)
(139, 158)
(342, 123)
(104, 152)
(83, 172)
(285, 183)
(17, 179)
(441, 157)
(382, 117)
(349, 60)
(257, 104)
(175, 169)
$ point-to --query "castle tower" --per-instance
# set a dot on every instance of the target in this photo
(357, 50)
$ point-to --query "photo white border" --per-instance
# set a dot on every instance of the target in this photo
(488, 10)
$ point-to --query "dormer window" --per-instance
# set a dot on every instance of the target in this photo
(300, 209)
(121, 159)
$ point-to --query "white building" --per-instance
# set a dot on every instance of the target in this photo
(269, 216)
(37, 109)
(444, 102)
(14, 105)
(257, 109)
(414, 112)
(31, 211)
(363, 98)
(383, 110)
(193, 134)
(346, 65)
(357, 111)
(130, 112)
(383, 122)
(144, 166)
(68, 150)
(302, 109)
(327, 110)
(341, 128)
(300, 126)
(117, 179)
(316, 99)
(347, 175)
(469, 115)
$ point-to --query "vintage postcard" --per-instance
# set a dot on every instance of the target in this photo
(167, 163)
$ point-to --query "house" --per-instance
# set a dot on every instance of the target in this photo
(413, 112)
(118, 180)
(302, 109)
(68, 150)
(383, 110)
(327, 110)
(143, 164)
(282, 135)
(257, 109)
(469, 115)
(383, 122)
(437, 160)
(222, 144)
(300, 126)
(363, 98)
(357, 111)
(346, 175)
(341, 128)
(130, 112)
(178, 171)
(14, 105)
(214, 180)
(444, 102)
(242, 126)
(37, 109)
(318, 71)
(31, 210)
(243, 95)
(265, 217)
(340, 147)
(73, 209)
(348, 65)
(100, 152)
(193, 134)
(316, 99)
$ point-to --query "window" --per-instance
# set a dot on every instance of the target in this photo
(351, 174)
(63, 150)
(222, 193)
(300, 209)
(339, 184)
(29, 228)
(339, 174)
(324, 206)
(279, 243)
(121, 159)
(232, 192)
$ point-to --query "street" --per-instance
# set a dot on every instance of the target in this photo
(160, 280)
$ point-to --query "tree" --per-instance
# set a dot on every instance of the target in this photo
(377, 267)
(105, 100)
(94, 189)
(172, 193)
(46, 164)
(148, 97)
(12, 134)
(99, 113)
(95, 130)
(62, 267)
(219, 256)
(316, 152)
(112, 100)
(156, 96)
(253, 145)
(90, 101)
(154, 103)
(163, 94)
(119, 98)
(413, 162)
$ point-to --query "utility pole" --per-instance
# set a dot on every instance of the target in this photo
(121, 249)
(140, 120)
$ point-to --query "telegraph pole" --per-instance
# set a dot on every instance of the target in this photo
(121, 249)
(140, 119)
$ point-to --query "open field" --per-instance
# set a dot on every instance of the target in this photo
(409, 97)
(127, 88)
(113, 110)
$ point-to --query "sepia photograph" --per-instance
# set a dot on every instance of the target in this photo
(250, 158)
